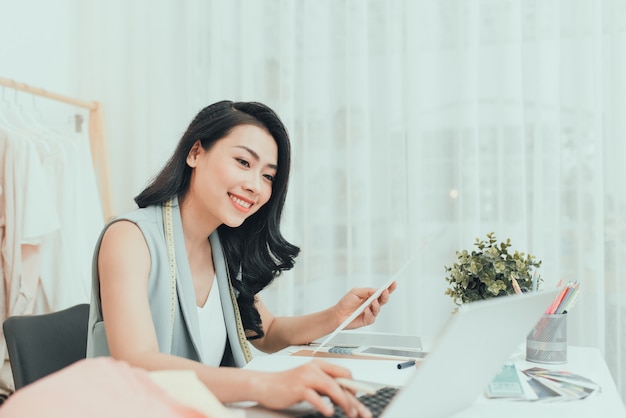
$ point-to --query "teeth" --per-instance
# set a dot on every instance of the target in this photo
(241, 202)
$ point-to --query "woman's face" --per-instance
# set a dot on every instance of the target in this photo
(233, 179)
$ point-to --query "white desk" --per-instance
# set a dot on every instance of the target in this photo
(585, 361)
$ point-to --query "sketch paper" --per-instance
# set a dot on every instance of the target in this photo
(375, 295)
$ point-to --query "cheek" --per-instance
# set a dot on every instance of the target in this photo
(266, 194)
(222, 171)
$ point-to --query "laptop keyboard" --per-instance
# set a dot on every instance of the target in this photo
(376, 402)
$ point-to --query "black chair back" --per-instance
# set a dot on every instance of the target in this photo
(39, 345)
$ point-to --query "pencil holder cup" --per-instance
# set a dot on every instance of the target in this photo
(547, 342)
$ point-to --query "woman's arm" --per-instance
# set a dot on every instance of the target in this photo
(284, 331)
(124, 267)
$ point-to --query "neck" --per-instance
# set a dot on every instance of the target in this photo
(196, 225)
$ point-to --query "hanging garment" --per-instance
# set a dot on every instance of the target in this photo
(26, 218)
(66, 254)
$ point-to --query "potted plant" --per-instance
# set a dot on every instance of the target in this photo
(490, 271)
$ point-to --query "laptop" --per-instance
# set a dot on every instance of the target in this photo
(468, 352)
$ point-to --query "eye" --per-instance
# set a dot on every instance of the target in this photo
(243, 162)
(269, 177)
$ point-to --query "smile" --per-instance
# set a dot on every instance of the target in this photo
(243, 204)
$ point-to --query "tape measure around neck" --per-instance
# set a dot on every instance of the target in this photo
(241, 334)
(171, 253)
(169, 238)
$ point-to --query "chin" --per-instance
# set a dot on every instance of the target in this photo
(234, 223)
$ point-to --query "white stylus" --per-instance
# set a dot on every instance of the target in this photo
(355, 386)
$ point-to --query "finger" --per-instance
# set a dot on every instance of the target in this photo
(363, 292)
(368, 317)
(346, 401)
(337, 395)
(363, 411)
(384, 297)
(332, 369)
(356, 408)
(375, 308)
(318, 402)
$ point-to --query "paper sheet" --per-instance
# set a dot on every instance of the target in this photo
(375, 295)
(356, 313)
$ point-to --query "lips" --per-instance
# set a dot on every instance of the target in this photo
(241, 203)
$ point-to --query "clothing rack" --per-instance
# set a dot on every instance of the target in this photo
(99, 153)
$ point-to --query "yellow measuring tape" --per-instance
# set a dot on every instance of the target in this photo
(171, 253)
(241, 334)
(169, 238)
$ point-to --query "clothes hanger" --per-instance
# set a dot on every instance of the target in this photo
(5, 109)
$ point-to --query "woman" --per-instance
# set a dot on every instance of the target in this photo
(173, 299)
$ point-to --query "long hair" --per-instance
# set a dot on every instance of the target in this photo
(256, 248)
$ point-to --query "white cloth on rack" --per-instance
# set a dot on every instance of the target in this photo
(50, 219)
(67, 254)
(26, 218)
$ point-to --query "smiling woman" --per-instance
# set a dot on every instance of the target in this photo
(177, 280)
(240, 167)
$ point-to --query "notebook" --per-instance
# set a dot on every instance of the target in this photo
(467, 354)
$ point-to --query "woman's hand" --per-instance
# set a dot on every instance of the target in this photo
(311, 382)
(354, 298)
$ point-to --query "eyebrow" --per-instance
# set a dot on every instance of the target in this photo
(255, 155)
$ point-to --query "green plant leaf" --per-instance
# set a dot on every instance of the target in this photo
(486, 271)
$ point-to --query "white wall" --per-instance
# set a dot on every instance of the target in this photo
(88, 50)
(38, 43)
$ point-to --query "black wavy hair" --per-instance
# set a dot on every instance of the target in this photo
(257, 247)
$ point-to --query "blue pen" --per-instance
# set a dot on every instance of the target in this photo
(406, 364)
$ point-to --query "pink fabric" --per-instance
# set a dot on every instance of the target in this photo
(96, 388)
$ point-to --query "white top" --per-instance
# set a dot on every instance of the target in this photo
(212, 327)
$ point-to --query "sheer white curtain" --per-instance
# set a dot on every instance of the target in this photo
(417, 126)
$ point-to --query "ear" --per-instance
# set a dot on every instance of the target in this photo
(194, 152)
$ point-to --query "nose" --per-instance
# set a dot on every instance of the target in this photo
(253, 183)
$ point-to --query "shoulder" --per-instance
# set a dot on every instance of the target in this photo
(141, 229)
(123, 252)
(122, 229)
(128, 230)
(123, 236)
(134, 221)
(147, 215)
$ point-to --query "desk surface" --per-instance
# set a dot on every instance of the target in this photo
(586, 361)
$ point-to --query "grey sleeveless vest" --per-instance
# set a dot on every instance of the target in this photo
(186, 339)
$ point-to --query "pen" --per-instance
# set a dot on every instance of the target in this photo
(356, 386)
(406, 364)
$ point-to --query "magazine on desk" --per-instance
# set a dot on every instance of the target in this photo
(366, 345)
(364, 353)
(539, 384)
